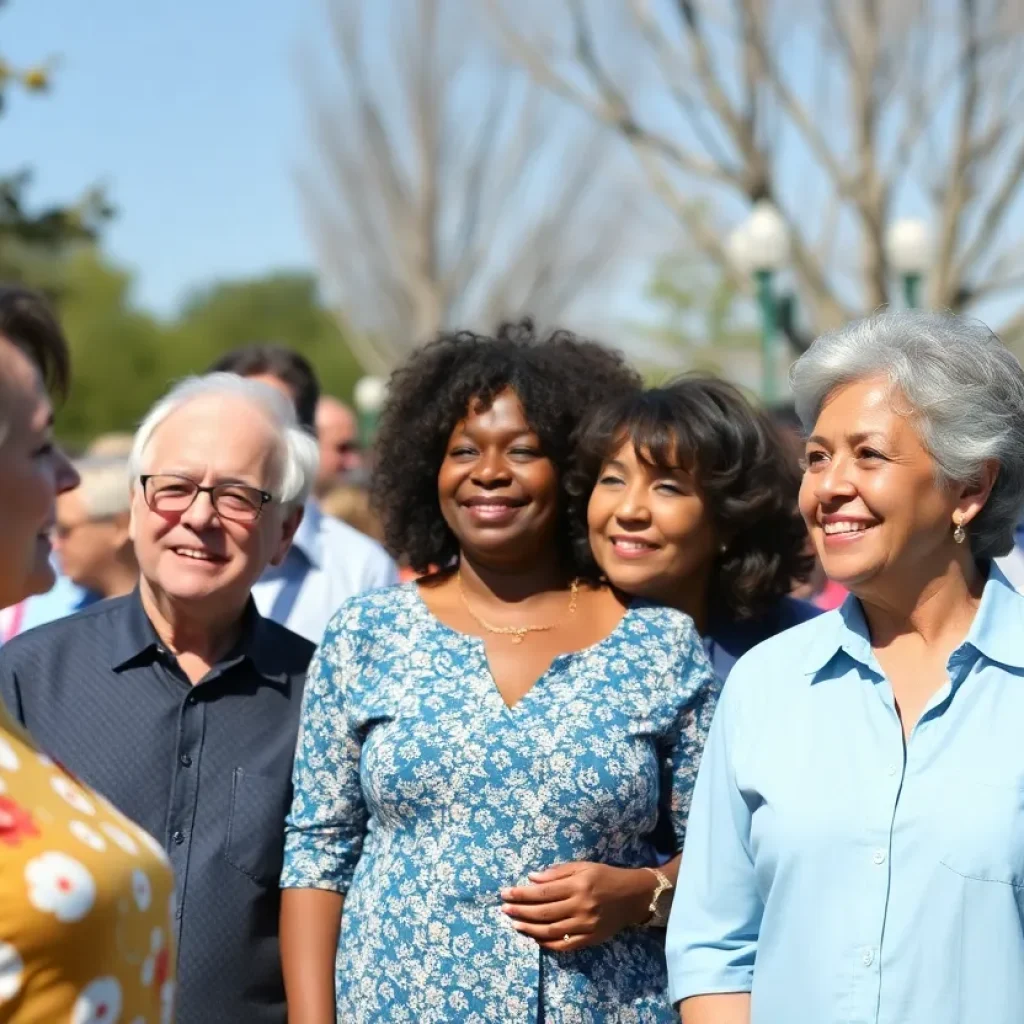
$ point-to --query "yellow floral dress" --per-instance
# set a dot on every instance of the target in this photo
(86, 901)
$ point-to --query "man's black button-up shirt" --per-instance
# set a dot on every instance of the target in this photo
(206, 769)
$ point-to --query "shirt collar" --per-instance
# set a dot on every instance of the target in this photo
(307, 539)
(135, 641)
(995, 633)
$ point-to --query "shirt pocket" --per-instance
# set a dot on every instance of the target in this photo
(984, 831)
(254, 843)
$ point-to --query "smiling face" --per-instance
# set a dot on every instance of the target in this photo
(870, 496)
(650, 530)
(198, 557)
(497, 490)
(33, 471)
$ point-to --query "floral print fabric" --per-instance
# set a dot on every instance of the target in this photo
(85, 902)
(419, 794)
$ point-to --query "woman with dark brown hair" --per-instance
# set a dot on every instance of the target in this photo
(686, 494)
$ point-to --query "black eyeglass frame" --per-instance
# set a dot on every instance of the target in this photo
(265, 496)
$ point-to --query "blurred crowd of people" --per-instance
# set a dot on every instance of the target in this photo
(573, 700)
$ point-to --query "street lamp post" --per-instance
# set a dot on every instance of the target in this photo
(908, 250)
(369, 395)
(760, 246)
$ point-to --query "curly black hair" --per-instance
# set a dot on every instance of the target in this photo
(556, 378)
(742, 465)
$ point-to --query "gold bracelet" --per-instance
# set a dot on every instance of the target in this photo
(655, 919)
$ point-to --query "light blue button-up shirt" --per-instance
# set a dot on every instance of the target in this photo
(328, 562)
(869, 883)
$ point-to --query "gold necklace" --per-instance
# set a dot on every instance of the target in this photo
(518, 633)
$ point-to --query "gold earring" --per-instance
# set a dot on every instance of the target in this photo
(959, 533)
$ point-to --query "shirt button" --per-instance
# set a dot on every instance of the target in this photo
(186, 760)
(868, 958)
(178, 837)
(190, 699)
(893, 769)
(878, 856)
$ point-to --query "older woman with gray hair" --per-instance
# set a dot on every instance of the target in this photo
(855, 850)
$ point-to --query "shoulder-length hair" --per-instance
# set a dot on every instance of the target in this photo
(741, 464)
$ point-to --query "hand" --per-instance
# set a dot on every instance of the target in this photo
(588, 902)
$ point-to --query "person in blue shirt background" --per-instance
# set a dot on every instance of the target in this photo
(855, 849)
(687, 495)
(328, 561)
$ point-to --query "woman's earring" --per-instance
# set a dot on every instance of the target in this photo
(959, 533)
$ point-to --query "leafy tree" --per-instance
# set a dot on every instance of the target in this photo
(283, 308)
(120, 354)
(34, 242)
(702, 323)
(124, 358)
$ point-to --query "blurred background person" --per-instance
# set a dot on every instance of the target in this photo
(856, 844)
(92, 538)
(351, 504)
(111, 446)
(687, 495)
(86, 896)
(329, 561)
(337, 433)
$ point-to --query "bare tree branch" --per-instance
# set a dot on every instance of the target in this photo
(928, 92)
(449, 191)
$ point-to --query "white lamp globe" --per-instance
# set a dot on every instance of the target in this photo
(908, 246)
(369, 394)
(761, 242)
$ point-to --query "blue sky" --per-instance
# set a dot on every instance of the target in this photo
(187, 111)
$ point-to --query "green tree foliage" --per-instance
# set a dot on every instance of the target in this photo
(282, 308)
(702, 323)
(34, 242)
(120, 354)
(124, 358)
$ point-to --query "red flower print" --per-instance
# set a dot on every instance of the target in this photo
(16, 824)
(163, 967)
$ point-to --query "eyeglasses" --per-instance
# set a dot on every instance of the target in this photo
(169, 494)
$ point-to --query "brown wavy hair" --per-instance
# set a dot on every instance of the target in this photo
(741, 463)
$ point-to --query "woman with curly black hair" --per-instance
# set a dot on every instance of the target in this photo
(486, 754)
(689, 495)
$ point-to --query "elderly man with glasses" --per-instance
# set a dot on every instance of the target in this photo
(179, 702)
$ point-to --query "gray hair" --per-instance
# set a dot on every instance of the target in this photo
(105, 488)
(961, 387)
(299, 455)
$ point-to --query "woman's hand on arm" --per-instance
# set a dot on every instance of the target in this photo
(310, 923)
(588, 902)
(724, 1008)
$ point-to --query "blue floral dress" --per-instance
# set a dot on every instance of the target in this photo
(419, 794)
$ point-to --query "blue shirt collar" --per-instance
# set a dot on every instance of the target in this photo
(307, 537)
(997, 632)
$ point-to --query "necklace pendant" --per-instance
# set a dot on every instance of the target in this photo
(519, 636)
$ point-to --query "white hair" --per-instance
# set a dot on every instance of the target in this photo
(299, 455)
(105, 488)
(964, 390)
